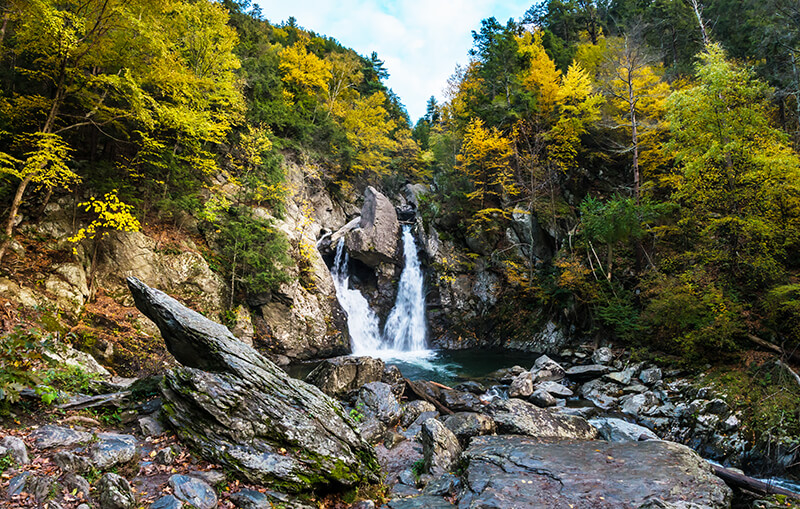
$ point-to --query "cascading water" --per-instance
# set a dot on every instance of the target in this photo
(405, 329)
(362, 321)
(405, 332)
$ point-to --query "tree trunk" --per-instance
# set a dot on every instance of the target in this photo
(9, 230)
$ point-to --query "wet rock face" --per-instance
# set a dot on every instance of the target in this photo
(514, 471)
(238, 409)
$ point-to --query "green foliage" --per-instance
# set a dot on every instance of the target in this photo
(20, 359)
(255, 252)
(70, 379)
(418, 468)
(6, 462)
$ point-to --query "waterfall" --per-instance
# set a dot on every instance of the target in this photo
(405, 330)
(362, 321)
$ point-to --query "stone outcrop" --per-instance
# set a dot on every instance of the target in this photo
(513, 471)
(236, 408)
(375, 241)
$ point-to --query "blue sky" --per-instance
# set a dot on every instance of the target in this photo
(421, 41)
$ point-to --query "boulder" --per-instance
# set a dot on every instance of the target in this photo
(521, 386)
(636, 404)
(623, 377)
(554, 388)
(112, 449)
(603, 355)
(440, 447)
(603, 394)
(518, 417)
(375, 241)
(466, 425)
(149, 426)
(471, 386)
(17, 449)
(339, 376)
(193, 491)
(413, 409)
(513, 471)
(114, 492)
(618, 430)
(542, 398)
(68, 356)
(70, 462)
(650, 376)
(546, 369)
(588, 372)
(459, 401)
(379, 409)
(168, 502)
(49, 436)
(239, 410)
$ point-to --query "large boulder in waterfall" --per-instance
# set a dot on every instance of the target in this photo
(339, 376)
(239, 410)
(515, 471)
(375, 241)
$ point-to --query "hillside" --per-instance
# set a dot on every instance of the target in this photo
(615, 185)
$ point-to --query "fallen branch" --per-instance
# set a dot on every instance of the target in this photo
(419, 392)
(114, 399)
(435, 384)
(736, 480)
(789, 370)
(775, 348)
(80, 419)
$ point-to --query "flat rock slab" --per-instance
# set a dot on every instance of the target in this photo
(582, 373)
(50, 436)
(516, 471)
(519, 417)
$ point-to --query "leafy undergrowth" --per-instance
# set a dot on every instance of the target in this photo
(767, 396)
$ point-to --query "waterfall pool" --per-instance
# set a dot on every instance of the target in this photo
(447, 367)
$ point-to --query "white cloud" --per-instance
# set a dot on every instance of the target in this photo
(421, 41)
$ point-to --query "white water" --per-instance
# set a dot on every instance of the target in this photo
(405, 332)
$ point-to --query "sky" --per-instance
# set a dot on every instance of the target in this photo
(420, 41)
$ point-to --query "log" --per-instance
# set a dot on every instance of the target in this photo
(416, 390)
(775, 348)
(737, 480)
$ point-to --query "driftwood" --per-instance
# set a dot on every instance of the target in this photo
(419, 392)
(736, 480)
(435, 384)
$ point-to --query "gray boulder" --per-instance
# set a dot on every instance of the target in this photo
(70, 462)
(168, 502)
(239, 410)
(413, 409)
(193, 491)
(650, 376)
(554, 388)
(466, 425)
(603, 394)
(339, 376)
(440, 447)
(542, 398)
(113, 449)
(375, 240)
(114, 492)
(603, 355)
(588, 372)
(49, 436)
(17, 449)
(521, 386)
(618, 430)
(508, 472)
(546, 369)
(518, 417)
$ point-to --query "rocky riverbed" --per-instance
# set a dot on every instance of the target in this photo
(228, 428)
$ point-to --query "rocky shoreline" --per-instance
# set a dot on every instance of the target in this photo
(250, 436)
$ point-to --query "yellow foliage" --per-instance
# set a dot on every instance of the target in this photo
(369, 129)
(45, 162)
(485, 157)
(112, 214)
(304, 71)
(542, 75)
(578, 108)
